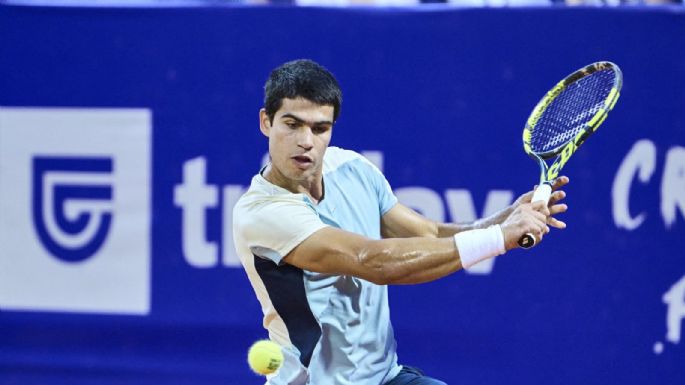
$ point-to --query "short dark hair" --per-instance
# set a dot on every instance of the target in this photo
(301, 78)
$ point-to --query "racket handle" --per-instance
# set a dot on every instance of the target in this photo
(542, 193)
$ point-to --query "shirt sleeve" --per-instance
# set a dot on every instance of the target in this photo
(386, 198)
(272, 229)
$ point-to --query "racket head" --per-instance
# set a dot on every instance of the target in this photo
(572, 110)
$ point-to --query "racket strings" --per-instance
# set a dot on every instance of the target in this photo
(570, 111)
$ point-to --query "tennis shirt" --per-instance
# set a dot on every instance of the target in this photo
(334, 329)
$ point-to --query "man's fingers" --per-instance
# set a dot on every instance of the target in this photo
(556, 197)
(534, 218)
(560, 182)
(541, 233)
(540, 207)
(537, 222)
(551, 221)
(526, 198)
(556, 209)
(540, 217)
(537, 217)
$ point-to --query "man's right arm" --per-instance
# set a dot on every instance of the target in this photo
(392, 260)
(386, 261)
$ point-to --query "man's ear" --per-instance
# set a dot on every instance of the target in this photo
(264, 122)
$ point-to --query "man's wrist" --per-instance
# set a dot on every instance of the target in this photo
(478, 245)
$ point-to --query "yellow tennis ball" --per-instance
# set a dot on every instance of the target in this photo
(265, 357)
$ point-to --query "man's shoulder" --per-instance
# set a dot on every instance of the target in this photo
(261, 195)
(337, 157)
(261, 191)
(267, 213)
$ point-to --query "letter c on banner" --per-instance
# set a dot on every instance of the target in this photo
(641, 160)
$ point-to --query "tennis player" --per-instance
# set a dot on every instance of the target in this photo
(320, 235)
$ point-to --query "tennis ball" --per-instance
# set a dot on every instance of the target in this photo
(265, 357)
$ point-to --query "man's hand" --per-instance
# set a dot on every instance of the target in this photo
(526, 218)
(523, 217)
(554, 206)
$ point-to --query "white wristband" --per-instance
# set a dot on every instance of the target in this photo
(478, 245)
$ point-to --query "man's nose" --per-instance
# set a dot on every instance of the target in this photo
(305, 138)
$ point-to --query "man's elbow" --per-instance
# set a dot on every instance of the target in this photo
(377, 266)
(379, 277)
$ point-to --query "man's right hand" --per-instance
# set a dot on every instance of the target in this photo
(526, 218)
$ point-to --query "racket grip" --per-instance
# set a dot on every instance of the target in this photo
(542, 193)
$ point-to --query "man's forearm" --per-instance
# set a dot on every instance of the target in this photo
(449, 229)
(411, 260)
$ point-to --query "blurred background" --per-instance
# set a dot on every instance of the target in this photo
(129, 129)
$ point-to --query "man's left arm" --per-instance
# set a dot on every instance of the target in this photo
(403, 222)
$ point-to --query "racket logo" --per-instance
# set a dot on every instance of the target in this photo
(565, 155)
(72, 204)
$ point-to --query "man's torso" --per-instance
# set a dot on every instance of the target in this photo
(336, 328)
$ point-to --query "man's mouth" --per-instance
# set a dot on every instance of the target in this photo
(303, 161)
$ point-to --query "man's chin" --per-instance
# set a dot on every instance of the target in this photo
(302, 175)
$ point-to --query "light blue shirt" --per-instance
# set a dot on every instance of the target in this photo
(333, 329)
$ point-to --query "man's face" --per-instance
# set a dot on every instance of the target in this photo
(298, 138)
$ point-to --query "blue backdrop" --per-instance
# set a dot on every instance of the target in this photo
(435, 96)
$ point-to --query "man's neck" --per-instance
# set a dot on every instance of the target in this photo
(312, 187)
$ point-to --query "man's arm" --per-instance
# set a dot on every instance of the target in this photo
(402, 222)
(401, 260)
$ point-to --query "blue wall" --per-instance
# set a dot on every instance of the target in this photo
(440, 96)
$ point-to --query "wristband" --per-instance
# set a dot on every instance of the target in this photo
(478, 245)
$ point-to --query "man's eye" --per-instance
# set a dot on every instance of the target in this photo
(320, 130)
(291, 124)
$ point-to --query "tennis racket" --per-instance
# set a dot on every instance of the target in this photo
(564, 119)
